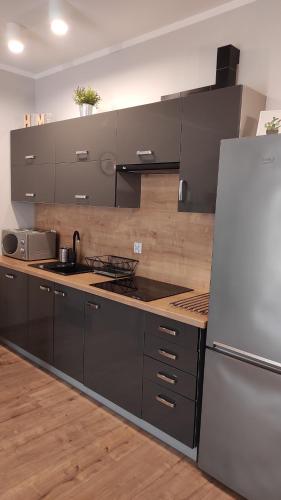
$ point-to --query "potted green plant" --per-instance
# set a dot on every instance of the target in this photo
(273, 126)
(86, 98)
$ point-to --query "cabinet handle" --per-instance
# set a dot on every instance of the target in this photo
(93, 306)
(145, 153)
(58, 292)
(166, 378)
(181, 183)
(30, 195)
(10, 276)
(164, 401)
(30, 157)
(167, 354)
(163, 329)
(45, 288)
(80, 196)
(84, 152)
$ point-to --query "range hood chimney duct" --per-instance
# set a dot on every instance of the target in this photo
(228, 58)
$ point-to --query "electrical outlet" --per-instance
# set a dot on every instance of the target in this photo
(137, 247)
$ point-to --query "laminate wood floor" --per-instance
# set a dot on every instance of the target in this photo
(57, 444)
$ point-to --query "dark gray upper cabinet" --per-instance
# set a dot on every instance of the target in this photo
(208, 117)
(40, 318)
(33, 145)
(90, 183)
(13, 306)
(149, 133)
(34, 183)
(86, 139)
(69, 331)
(114, 352)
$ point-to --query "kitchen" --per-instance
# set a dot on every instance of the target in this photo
(131, 348)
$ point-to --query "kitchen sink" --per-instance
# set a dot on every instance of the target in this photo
(66, 269)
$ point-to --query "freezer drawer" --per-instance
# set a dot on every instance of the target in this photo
(240, 439)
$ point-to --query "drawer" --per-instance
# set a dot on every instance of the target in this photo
(171, 354)
(170, 378)
(173, 331)
(169, 412)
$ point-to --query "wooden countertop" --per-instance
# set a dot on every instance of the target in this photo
(82, 282)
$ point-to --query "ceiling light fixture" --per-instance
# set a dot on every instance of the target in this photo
(56, 11)
(14, 38)
(59, 27)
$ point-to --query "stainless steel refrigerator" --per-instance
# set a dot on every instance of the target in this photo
(240, 442)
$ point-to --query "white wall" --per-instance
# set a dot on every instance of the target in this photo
(178, 61)
(16, 98)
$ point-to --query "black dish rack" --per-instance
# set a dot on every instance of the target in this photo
(112, 265)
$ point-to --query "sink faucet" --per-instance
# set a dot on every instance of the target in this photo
(76, 239)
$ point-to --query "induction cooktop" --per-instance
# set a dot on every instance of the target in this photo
(142, 288)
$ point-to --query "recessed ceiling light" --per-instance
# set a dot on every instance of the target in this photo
(59, 27)
(14, 38)
(15, 46)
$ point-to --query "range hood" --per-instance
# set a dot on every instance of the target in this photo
(149, 168)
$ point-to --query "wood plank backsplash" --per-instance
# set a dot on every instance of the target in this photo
(177, 247)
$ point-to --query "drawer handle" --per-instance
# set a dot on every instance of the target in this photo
(30, 195)
(166, 402)
(167, 354)
(10, 276)
(45, 288)
(30, 157)
(163, 329)
(145, 153)
(166, 378)
(93, 306)
(59, 293)
(84, 152)
(80, 196)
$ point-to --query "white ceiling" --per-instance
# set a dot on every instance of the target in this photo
(95, 27)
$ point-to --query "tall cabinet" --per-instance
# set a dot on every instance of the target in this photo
(207, 119)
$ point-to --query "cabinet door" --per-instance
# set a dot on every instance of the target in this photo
(40, 318)
(34, 183)
(32, 145)
(91, 183)
(86, 139)
(208, 117)
(69, 331)
(149, 133)
(114, 352)
(13, 306)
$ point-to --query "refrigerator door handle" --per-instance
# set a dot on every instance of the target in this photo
(233, 352)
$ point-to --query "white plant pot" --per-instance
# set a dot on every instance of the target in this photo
(86, 109)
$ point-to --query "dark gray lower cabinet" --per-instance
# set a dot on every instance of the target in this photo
(147, 364)
(40, 319)
(172, 377)
(13, 306)
(69, 331)
(114, 352)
